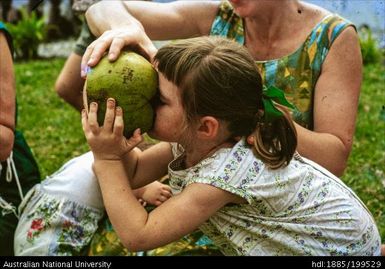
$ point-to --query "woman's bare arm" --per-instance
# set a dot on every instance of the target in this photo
(335, 106)
(136, 23)
(7, 100)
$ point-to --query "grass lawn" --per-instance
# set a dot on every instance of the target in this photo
(53, 129)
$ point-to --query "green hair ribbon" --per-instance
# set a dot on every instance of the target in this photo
(270, 94)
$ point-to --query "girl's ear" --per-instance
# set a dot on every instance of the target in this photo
(208, 128)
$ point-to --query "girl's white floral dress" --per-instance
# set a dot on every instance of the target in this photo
(301, 209)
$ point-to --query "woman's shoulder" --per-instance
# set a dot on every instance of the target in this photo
(324, 18)
(327, 27)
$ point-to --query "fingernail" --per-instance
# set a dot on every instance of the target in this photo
(111, 55)
(88, 70)
(85, 70)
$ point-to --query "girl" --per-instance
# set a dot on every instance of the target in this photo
(250, 200)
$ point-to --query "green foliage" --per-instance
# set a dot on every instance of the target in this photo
(371, 53)
(51, 126)
(54, 132)
(27, 34)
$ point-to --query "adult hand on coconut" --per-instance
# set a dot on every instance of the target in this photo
(114, 41)
(107, 142)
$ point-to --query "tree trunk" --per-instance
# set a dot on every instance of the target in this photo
(37, 6)
(5, 7)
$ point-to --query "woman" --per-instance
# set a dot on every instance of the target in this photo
(289, 41)
(18, 168)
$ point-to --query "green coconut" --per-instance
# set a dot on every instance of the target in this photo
(132, 81)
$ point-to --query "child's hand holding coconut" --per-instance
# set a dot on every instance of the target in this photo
(107, 142)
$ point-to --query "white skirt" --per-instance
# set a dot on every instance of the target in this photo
(60, 215)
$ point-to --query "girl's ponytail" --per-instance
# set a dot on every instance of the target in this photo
(275, 141)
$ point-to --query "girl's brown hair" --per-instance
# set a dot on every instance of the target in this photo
(218, 77)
